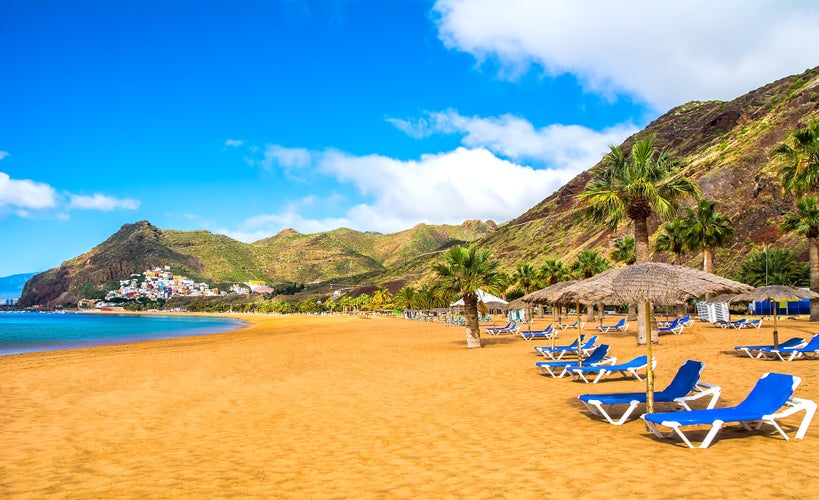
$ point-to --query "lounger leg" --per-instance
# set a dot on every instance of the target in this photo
(810, 410)
(715, 428)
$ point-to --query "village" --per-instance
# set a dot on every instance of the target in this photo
(162, 284)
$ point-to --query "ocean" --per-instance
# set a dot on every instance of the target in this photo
(22, 332)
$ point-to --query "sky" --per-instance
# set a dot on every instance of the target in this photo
(247, 117)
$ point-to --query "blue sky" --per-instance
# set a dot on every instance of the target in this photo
(247, 117)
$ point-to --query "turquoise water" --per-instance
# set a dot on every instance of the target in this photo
(34, 332)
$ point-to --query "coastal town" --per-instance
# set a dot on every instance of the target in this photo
(162, 284)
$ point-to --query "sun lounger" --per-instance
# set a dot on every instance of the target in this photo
(573, 325)
(627, 369)
(541, 348)
(771, 393)
(621, 326)
(557, 353)
(684, 321)
(511, 327)
(754, 323)
(756, 351)
(546, 333)
(809, 350)
(733, 324)
(685, 387)
(675, 327)
(558, 369)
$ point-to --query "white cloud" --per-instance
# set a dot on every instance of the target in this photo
(233, 143)
(24, 195)
(101, 202)
(3, 154)
(664, 53)
(571, 147)
(444, 188)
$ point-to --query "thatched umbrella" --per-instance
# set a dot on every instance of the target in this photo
(554, 295)
(652, 282)
(774, 294)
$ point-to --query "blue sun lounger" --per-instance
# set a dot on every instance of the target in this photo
(599, 355)
(620, 326)
(546, 333)
(675, 327)
(559, 351)
(771, 393)
(809, 350)
(685, 387)
(627, 369)
(756, 351)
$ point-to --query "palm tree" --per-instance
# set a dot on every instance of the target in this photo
(800, 174)
(623, 250)
(587, 264)
(648, 182)
(464, 270)
(774, 266)
(406, 298)
(674, 239)
(526, 276)
(634, 188)
(553, 271)
(805, 221)
(707, 229)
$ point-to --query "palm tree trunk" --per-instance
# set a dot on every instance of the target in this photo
(473, 331)
(708, 260)
(813, 258)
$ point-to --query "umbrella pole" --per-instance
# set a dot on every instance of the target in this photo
(579, 335)
(649, 367)
(554, 325)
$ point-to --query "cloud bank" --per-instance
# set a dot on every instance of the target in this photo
(660, 53)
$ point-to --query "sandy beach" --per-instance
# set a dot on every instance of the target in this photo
(345, 407)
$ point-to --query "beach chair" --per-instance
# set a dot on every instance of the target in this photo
(627, 369)
(557, 353)
(557, 369)
(503, 329)
(772, 392)
(684, 388)
(675, 327)
(684, 321)
(754, 323)
(573, 325)
(620, 326)
(756, 351)
(546, 333)
(733, 324)
(809, 350)
(541, 348)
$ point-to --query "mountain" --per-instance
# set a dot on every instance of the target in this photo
(725, 147)
(12, 286)
(287, 257)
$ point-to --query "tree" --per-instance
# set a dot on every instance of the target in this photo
(553, 271)
(706, 230)
(776, 266)
(674, 239)
(406, 298)
(805, 221)
(381, 299)
(633, 188)
(464, 270)
(623, 250)
(647, 182)
(526, 276)
(800, 174)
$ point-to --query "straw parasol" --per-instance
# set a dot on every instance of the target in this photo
(652, 282)
(554, 295)
(774, 294)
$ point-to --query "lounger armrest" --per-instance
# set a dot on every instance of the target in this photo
(701, 390)
(795, 405)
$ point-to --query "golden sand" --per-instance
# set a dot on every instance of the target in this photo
(343, 407)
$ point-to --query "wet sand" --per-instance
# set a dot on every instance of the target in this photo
(345, 407)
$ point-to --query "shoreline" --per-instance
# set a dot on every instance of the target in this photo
(334, 406)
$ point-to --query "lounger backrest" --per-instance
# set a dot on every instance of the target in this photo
(589, 343)
(620, 323)
(598, 354)
(638, 361)
(770, 393)
(812, 345)
(685, 380)
(791, 342)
